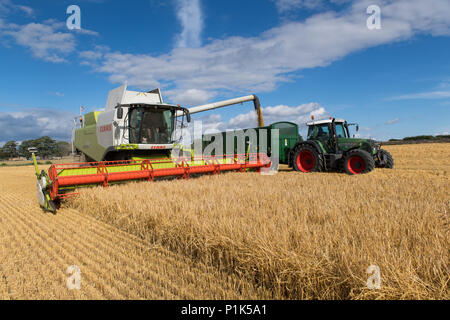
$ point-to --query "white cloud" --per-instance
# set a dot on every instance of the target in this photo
(90, 55)
(189, 13)
(240, 64)
(43, 40)
(49, 40)
(424, 95)
(289, 5)
(27, 10)
(213, 123)
(56, 93)
(6, 6)
(300, 115)
(34, 123)
(393, 121)
(190, 97)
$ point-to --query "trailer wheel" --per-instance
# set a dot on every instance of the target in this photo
(306, 159)
(384, 160)
(358, 162)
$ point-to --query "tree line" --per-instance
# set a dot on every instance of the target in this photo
(417, 138)
(46, 148)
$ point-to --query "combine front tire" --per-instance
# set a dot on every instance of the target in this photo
(307, 159)
(358, 162)
(384, 160)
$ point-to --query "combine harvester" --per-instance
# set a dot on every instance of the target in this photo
(132, 140)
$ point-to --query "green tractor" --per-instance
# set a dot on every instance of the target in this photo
(329, 147)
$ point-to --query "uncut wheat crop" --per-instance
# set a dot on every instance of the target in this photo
(302, 236)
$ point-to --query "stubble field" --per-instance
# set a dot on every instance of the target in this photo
(287, 236)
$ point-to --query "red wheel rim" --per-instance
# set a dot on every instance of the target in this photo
(356, 164)
(305, 161)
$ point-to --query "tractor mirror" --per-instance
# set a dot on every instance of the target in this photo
(119, 112)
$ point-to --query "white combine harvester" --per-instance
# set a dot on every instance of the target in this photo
(138, 125)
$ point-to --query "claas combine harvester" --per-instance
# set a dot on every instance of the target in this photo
(133, 139)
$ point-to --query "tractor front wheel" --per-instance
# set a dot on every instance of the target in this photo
(307, 159)
(384, 160)
(358, 162)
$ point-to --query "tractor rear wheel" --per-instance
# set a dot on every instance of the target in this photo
(388, 160)
(307, 159)
(358, 162)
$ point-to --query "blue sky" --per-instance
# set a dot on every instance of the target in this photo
(301, 57)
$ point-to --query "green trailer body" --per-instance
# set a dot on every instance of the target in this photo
(288, 137)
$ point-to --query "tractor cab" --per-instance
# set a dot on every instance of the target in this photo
(334, 135)
(324, 129)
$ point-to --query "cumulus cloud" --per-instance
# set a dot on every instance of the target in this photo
(243, 64)
(190, 97)
(300, 115)
(213, 123)
(34, 123)
(49, 40)
(189, 14)
(43, 40)
(6, 6)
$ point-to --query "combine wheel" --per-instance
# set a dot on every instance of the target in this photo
(307, 159)
(358, 162)
(384, 160)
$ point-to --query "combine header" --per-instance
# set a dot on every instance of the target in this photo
(61, 180)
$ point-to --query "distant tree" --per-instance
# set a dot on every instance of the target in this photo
(63, 148)
(9, 150)
(46, 147)
(23, 148)
(418, 138)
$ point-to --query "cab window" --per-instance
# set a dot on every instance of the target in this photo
(340, 131)
(150, 126)
(318, 131)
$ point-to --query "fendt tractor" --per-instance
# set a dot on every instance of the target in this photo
(133, 139)
(330, 147)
